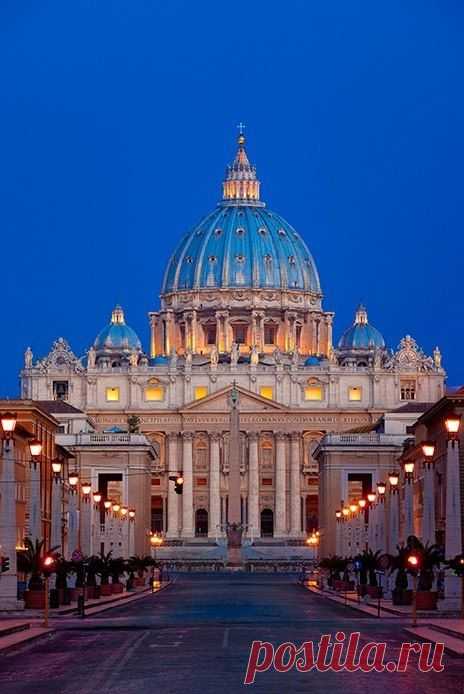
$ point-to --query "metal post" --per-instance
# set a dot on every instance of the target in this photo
(46, 609)
(414, 604)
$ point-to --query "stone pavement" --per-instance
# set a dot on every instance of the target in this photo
(196, 637)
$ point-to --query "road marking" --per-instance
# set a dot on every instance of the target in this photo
(225, 639)
(165, 645)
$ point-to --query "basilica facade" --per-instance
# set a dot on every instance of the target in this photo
(241, 308)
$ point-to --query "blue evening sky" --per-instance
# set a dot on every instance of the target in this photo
(117, 119)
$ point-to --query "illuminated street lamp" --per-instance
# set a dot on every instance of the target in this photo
(393, 479)
(8, 420)
(35, 447)
(452, 424)
(86, 489)
(362, 504)
(338, 515)
(124, 512)
(116, 508)
(381, 488)
(353, 508)
(56, 469)
(107, 504)
(408, 467)
(345, 512)
(73, 481)
(97, 497)
(413, 561)
(428, 450)
(131, 514)
(371, 497)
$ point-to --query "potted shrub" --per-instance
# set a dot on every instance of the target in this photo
(79, 570)
(362, 575)
(63, 569)
(117, 568)
(92, 590)
(370, 561)
(137, 566)
(30, 562)
(104, 569)
(430, 557)
(401, 595)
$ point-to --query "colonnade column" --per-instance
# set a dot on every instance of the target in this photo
(57, 521)
(253, 486)
(214, 487)
(187, 473)
(9, 580)
(173, 498)
(280, 529)
(295, 498)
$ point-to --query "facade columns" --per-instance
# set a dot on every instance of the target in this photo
(253, 486)
(295, 498)
(453, 537)
(173, 498)
(280, 529)
(9, 579)
(214, 486)
(85, 526)
(187, 473)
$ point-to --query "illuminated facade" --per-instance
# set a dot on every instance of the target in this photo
(241, 302)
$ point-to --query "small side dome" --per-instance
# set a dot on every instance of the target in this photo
(361, 335)
(160, 360)
(117, 336)
(312, 361)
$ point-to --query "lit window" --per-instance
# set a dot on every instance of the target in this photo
(112, 394)
(154, 393)
(270, 334)
(201, 392)
(266, 481)
(408, 389)
(355, 394)
(313, 393)
(267, 392)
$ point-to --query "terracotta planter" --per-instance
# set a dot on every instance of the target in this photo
(90, 592)
(75, 592)
(374, 591)
(117, 588)
(343, 585)
(139, 582)
(105, 589)
(426, 600)
(362, 589)
(34, 599)
(402, 597)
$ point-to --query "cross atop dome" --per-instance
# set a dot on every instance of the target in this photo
(241, 184)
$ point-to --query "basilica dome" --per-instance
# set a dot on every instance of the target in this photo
(361, 335)
(117, 335)
(241, 244)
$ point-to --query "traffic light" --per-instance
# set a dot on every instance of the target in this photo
(48, 564)
(5, 564)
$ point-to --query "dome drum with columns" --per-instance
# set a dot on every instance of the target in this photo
(241, 309)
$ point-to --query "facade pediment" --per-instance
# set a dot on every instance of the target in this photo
(220, 402)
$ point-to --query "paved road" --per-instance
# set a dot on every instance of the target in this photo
(195, 637)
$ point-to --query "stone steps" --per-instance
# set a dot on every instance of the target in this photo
(453, 645)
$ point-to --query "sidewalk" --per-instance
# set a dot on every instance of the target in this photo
(431, 627)
(15, 632)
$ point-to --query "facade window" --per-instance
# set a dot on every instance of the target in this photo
(182, 333)
(60, 390)
(313, 393)
(298, 336)
(267, 392)
(154, 393)
(112, 395)
(407, 389)
(270, 332)
(210, 334)
(354, 393)
(201, 392)
(201, 482)
(267, 481)
(240, 334)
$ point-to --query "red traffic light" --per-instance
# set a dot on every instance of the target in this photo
(48, 564)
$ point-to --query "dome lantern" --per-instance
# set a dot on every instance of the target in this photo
(241, 183)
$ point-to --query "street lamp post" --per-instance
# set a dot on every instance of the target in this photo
(453, 538)
(155, 542)
(414, 565)
(73, 481)
(56, 535)
(371, 530)
(408, 529)
(381, 516)
(393, 512)
(35, 520)
(428, 505)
